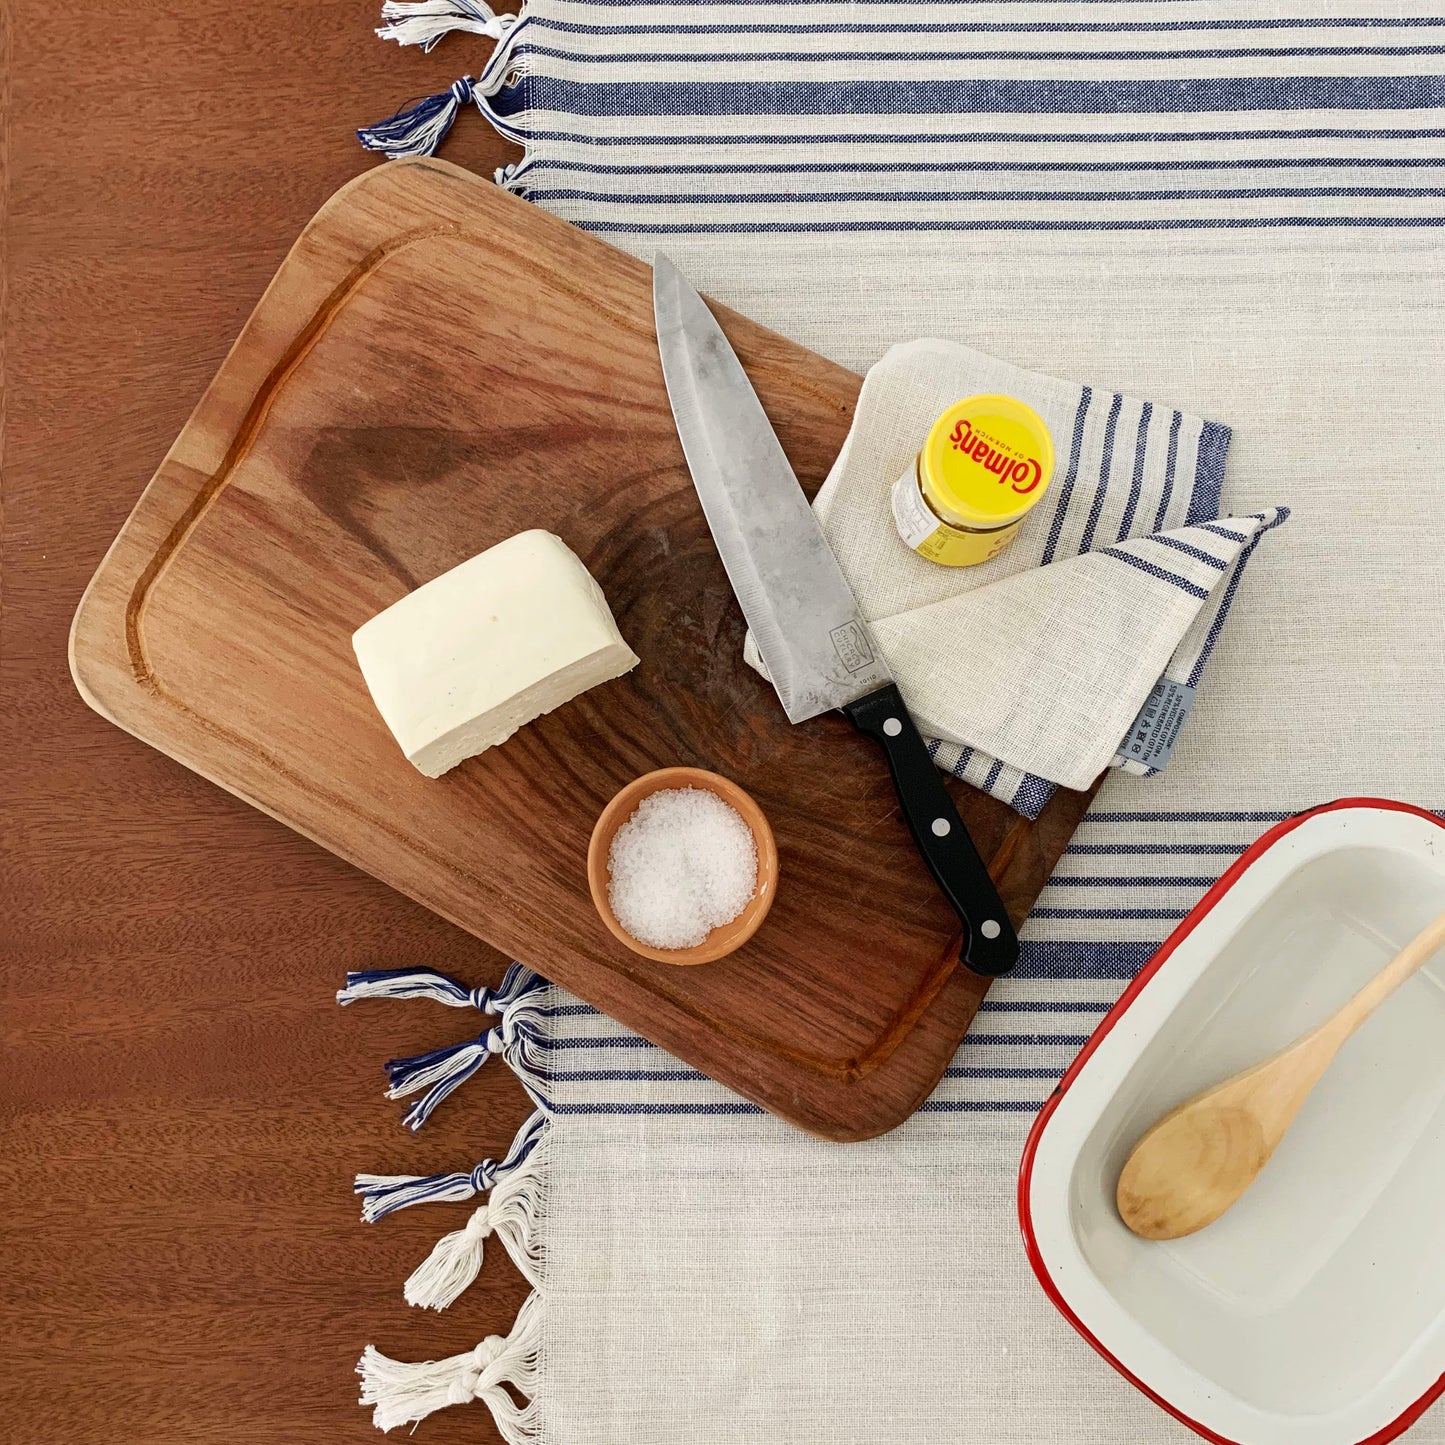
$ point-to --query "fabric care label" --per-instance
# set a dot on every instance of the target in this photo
(1151, 740)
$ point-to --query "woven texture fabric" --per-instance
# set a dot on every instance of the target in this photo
(712, 1275)
(1026, 671)
(1232, 208)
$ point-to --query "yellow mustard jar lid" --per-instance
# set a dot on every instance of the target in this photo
(987, 460)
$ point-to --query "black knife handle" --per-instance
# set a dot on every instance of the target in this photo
(990, 945)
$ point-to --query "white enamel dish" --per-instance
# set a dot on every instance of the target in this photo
(1313, 1313)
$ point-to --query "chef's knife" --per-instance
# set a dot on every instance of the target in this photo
(818, 650)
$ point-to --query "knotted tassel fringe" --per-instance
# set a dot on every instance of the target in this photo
(512, 1214)
(424, 22)
(428, 983)
(418, 129)
(440, 1071)
(404, 1393)
(513, 177)
(384, 1194)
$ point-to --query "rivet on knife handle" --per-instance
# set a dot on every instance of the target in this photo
(990, 946)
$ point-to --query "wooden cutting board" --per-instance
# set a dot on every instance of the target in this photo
(436, 366)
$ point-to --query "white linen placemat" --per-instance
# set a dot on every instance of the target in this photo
(1235, 206)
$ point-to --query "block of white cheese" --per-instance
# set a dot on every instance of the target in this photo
(460, 664)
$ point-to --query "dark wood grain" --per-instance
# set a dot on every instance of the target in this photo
(182, 1106)
(359, 440)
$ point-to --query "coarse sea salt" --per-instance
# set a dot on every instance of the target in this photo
(683, 864)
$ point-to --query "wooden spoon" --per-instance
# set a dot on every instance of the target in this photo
(1199, 1158)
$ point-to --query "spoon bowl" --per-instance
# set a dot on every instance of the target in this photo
(1200, 1158)
(1197, 1163)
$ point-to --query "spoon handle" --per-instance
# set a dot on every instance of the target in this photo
(1404, 965)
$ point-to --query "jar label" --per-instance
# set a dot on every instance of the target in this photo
(911, 514)
(920, 527)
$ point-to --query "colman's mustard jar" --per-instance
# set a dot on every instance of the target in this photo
(986, 462)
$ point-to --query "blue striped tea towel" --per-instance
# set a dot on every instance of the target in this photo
(1081, 646)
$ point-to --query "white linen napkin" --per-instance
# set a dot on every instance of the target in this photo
(1081, 646)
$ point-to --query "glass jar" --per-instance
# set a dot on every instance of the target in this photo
(986, 463)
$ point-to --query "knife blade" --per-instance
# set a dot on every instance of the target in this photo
(818, 649)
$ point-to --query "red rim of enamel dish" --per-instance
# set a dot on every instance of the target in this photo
(1026, 1166)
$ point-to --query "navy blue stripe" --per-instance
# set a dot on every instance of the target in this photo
(979, 137)
(1136, 484)
(980, 1106)
(1010, 27)
(992, 775)
(781, 167)
(1001, 1074)
(1143, 880)
(1194, 224)
(1029, 1040)
(833, 57)
(1206, 502)
(958, 96)
(1082, 960)
(1113, 913)
(1032, 795)
(1131, 848)
(1185, 817)
(1227, 601)
(1221, 530)
(1105, 469)
(627, 1076)
(1159, 574)
(1050, 1006)
(1142, 816)
(1066, 491)
(806, 198)
(1171, 459)
(601, 1041)
(1197, 552)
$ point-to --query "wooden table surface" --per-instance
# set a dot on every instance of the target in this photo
(182, 1104)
